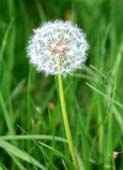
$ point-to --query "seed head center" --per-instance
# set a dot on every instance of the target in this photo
(58, 48)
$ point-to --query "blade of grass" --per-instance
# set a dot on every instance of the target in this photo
(16, 90)
(20, 154)
(4, 41)
(17, 162)
(40, 10)
(33, 137)
(55, 151)
(105, 95)
(7, 116)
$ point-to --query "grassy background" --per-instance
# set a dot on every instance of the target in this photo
(29, 104)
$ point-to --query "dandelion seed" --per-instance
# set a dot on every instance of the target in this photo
(57, 41)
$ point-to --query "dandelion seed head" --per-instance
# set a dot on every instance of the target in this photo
(57, 41)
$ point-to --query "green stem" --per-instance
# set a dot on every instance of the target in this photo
(66, 123)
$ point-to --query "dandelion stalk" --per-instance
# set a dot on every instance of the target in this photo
(66, 122)
(65, 115)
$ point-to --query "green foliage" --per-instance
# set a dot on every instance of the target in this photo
(29, 105)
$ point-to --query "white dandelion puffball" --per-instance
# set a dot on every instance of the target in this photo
(57, 48)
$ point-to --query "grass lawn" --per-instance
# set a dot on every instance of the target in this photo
(32, 133)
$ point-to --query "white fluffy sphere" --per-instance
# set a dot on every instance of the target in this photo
(57, 48)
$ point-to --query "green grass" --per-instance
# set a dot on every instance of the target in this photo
(32, 134)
